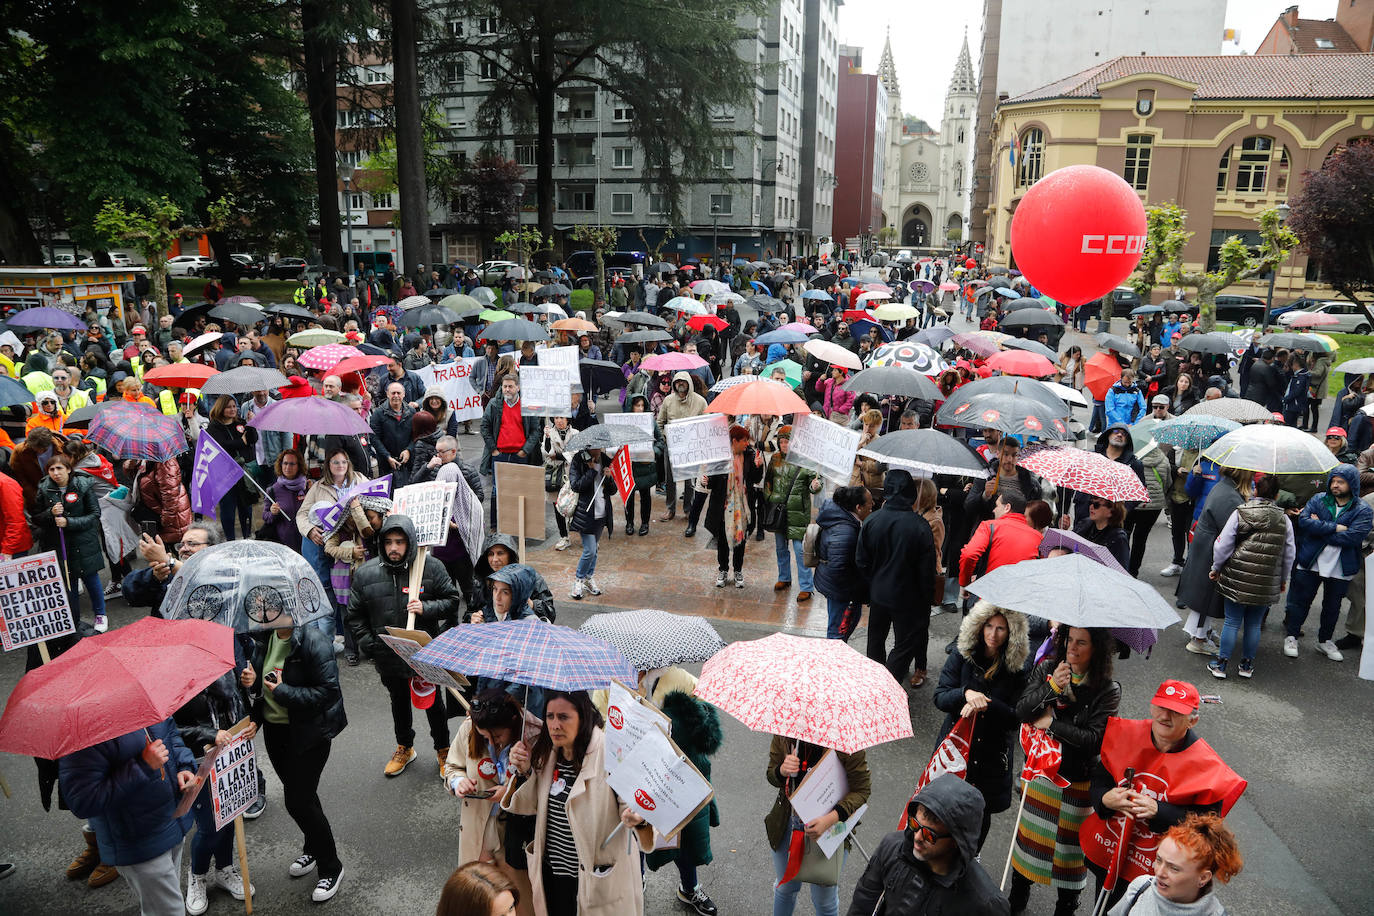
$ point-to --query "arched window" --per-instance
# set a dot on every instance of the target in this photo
(1252, 171)
(1137, 171)
(1281, 173)
(1224, 170)
(1032, 157)
(961, 135)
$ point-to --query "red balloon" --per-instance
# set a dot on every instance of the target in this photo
(970, 263)
(1078, 233)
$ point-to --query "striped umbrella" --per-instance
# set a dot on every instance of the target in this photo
(531, 652)
(131, 430)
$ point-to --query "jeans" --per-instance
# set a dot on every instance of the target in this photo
(826, 900)
(805, 576)
(235, 503)
(1138, 525)
(300, 779)
(586, 564)
(209, 843)
(834, 613)
(1301, 590)
(1241, 619)
(403, 713)
(157, 883)
(93, 588)
(1099, 417)
(320, 562)
(687, 874)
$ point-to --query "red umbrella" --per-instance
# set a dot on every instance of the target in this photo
(858, 315)
(1100, 373)
(1085, 471)
(112, 684)
(1021, 362)
(359, 364)
(762, 397)
(180, 375)
(698, 322)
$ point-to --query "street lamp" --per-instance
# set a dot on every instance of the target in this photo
(715, 233)
(42, 185)
(346, 174)
(519, 189)
(1283, 211)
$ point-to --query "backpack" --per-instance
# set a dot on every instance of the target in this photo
(810, 558)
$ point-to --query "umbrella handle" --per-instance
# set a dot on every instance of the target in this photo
(162, 770)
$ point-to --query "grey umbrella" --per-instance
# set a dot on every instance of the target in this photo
(1031, 318)
(553, 289)
(242, 315)
(656, 639)
(244, 379)
(1032, 346)
(643, 337)
(928, 450)
(1011, 384)
(429, 315)
(894, 380)
(646, 319)
(766, 303)
(1076, 591)
(483, 294)
(290, 310)
(1217, 343)
(514, 329)
(663, 267)
(1119, 344)
(933, 336)
(608, 437)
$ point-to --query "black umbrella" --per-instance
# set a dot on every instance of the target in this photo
(514, 329)
(245, 316)
(601, 375)
(1031, 318)
(823, 280)
(290, 310)
(643, 337)
(553, 289)
(428, 316)
(1305, 342)
(894, 380)
(1119, 344)
(928, 450)
(13, 392)
(243, 379)
(1013, 384)
(766, 303)
(1033, 346)
(1015, 413)
(608, 437)
(372, 350)
(647, 319)
(82, 416)
(439, 292)
(1025, 302)
(189, 314)
(471, 313)
(1215, 343)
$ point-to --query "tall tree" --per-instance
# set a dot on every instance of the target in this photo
(18, 163)
(410, 145)
(1333, 214)
(674, 65)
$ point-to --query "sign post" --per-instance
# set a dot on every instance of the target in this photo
(406, 643)
(428, 506)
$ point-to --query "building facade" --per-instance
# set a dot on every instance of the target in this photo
(1291, 34)
(1225, 137)
(860, 152)
(925, 193)
(1030, 43)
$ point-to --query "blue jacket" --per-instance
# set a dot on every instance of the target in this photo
(837, 575)
(128, 804)
(1316, 534)
(1124, 405)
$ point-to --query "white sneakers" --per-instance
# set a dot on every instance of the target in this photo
(198, 887)
(197, 901)
(1331, 651)
(592, 588)
(1173, 569)
(720, 578)
(101, 623)
(231, 880)
(576, 592)
(563, 544)
(1201, 646)
(1290, 646)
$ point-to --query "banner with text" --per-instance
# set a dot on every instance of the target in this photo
(329, 516)
(33, 601)
(235, 780)
(546, 391)
(645, 421)
(463, 393)
(825, 447)
(428, 505)
(628, 718)
(659, 783)
(698, 445)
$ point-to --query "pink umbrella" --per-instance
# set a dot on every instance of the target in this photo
(328, 356)
(801, 327)
(816, 690)
(1085, 471)
(949, 287)
(310, 416)
(672, 362)
(1313, 320)
(1021, 362)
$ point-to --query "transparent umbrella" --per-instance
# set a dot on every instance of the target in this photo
(1271, 450)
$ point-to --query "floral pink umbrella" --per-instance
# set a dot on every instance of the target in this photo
(816, 690)
(672, 362)
(801, 327)
(1313, 320)
(1085, 471)
(328, 356)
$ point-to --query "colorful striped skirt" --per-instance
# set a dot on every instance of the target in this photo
(1047, 847)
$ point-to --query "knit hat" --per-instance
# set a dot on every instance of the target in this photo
(380, 504)
(785, 432)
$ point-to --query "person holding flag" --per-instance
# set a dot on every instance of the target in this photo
(1174, 773)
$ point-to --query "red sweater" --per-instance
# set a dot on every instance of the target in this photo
(510, 438)
(1013, 540)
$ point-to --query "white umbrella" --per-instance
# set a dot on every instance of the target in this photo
(207, 338)
(687, 305)
(1271, 450)
(709, 288)
(833, 353)
(1065, 393)
(410, 302)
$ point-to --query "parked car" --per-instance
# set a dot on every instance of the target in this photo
(287, 269)
(1304, 302)
(491, 273)
(1351, 317)
(65, 260)
(245, 267)
(1247, 311)
(1123, 300)
(582, 266)
(186, 265)
(120, 259)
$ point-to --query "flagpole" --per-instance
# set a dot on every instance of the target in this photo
(1015, 828)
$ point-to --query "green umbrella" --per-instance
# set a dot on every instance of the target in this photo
(315, 337)
(792, 370)
(1049, 303)
(460, 303)
(493, 315)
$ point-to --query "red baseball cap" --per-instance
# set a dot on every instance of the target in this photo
(1336, 431)
(422, 693)
(1178, 696)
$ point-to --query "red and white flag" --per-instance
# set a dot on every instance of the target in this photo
(623, 474)
(1043, 756)
(951, 756)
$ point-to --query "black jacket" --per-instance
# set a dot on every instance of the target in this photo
(540, 597)
(978, 508)
(309, 689)
(1266, 385)
(379, 591)
(837, 575)
(896, 550)
(1127, 457)
(582, 477)
(994, 733)
(718, 487)
(390, 434)
(896, 883)
(1078, 724)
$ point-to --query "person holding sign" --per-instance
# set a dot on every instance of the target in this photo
(478, 772)
(561, 780)
(594, 489)
(683, 402)
(507, 433)
(645, 474)
(727, 512)
(787, 489)
(67, 516)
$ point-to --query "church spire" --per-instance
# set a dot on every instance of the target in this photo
(887, 70)
(962, 80)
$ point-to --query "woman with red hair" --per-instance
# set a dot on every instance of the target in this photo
(1191, 858)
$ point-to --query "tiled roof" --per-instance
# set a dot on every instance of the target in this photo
(1260, 76)
(1307, 31)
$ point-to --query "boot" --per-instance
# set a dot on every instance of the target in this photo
(84, 864)
(1020, 893)
(1067, 904)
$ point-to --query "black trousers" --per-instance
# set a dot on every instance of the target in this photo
(645, 495)
(1181, 518)
(727, 552)
(300, 779)
(910, 633)
(560, 894)
(1138, 525)
(402, 713)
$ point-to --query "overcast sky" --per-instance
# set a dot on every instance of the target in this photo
(926, 38)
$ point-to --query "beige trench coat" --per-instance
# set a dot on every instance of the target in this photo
(609, 883)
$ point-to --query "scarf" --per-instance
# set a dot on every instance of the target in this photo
(735, 503)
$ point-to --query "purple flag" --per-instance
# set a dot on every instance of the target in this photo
(330, 516)
(214, 473)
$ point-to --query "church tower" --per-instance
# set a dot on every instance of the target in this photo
(956, 141)
(892, 163)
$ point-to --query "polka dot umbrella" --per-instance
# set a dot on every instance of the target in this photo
(910, 355)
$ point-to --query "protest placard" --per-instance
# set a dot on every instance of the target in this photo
(428, 505)
(556, 358)
(461, 390)
(406, 643)
(520, 485)
(628, 719)
(659, 783)
(822, 788)
(234, 780)
(546, 391)
(825, 447)
(645, 421)
(698, 445)
(33, 601)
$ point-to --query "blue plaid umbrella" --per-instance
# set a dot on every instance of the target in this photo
(128, 430)
(1193, 430)
(728, 382)
(817, 294)
(529, 652)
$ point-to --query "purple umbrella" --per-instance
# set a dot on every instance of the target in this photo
(1138, 639)
(310, 416)
(45, 317)
(922, 286)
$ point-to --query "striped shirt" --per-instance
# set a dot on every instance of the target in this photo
(560, 853)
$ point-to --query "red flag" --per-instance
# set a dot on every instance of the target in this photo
(951, 756)
(1043, 756)
(796, 848)
(623, 474)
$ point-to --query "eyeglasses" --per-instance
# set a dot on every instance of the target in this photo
(926, 833)
(1099, 503)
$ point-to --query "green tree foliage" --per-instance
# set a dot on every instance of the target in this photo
(600, 239)
(524, 241)
(673, 64)
(1162, 261)
(18, 164)
(152, 228)
(484, 193)
(1333, 214)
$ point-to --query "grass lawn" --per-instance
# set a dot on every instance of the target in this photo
(1353, 346)
(265, 291)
